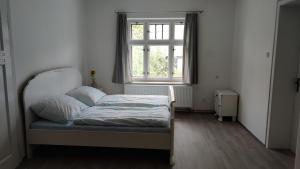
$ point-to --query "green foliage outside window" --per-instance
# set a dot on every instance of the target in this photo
(158, 61)
(137, 32)
(137, 61)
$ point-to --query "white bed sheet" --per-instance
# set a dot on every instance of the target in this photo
(134, 100)
(124, 116)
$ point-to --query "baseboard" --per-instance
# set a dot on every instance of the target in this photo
(251, 133)
(204, 111)
(190, 110)
(183, 109)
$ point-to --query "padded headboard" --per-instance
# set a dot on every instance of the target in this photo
(49, 83)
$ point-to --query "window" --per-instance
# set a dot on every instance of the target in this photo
(179, 30)
(159, 31)
(156, 50)
(137, 31)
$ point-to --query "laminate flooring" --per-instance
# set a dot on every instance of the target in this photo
(201, 142)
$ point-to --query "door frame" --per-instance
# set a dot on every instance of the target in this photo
(280, 3)
(13, 160)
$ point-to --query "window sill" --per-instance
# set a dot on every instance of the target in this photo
(159, 83)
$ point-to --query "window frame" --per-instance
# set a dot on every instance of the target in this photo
(147, 42)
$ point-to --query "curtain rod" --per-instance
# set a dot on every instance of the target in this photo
(128, 12)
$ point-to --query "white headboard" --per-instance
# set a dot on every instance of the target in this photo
(49, 83)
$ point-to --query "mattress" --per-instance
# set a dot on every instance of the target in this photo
(124, 116)
(134, 100)
(44, 124)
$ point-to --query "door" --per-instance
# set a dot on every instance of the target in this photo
(8, 139)
(296, 129)
(297, 160)
(282, 127)
(297, 110)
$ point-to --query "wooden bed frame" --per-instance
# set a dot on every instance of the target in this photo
(60, 81)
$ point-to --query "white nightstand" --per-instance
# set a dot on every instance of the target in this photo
(226, 104)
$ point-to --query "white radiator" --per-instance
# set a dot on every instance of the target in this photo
(183, 94)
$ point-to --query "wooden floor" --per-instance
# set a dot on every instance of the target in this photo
(201, 142)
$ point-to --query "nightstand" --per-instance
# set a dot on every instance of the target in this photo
(226, 104)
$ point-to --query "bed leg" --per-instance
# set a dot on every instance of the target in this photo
(172, 111)
(172, 160)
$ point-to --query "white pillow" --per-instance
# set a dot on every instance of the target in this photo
(87, 95)
(59, 109)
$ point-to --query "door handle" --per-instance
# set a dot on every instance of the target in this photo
(297, 84)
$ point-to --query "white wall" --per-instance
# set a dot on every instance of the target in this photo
(251, 68)
(216, 32)
(45, 34)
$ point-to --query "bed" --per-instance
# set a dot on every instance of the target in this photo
(134, 100)
(87, 131)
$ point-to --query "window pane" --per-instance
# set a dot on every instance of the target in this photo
(152, 31)
(178, 61)
(159, 31)
(158, 61)
(179, 31)
(165, 32)
(137, 31)
(137, 59)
